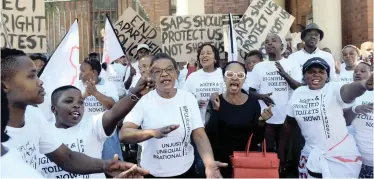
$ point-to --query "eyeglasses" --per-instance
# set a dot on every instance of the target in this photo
(159, 71)
(231, 74)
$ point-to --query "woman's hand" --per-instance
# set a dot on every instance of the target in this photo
(201, 103)
(281, 70)
(267, 99)
(364, 109)
(91, 87)
(144, 85)
(212, 171)
(121, 169)
(164, 131)
(266, 114)
(214, 98)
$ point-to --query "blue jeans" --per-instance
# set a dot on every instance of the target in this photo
(198, 163)
(112, 146)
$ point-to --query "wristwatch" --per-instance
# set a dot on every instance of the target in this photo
(135, 96)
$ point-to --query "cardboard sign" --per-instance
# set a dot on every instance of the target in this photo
(131, 30)
(261, 18)
(25, 25)
(182, 35)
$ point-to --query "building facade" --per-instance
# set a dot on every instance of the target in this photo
(343, 21)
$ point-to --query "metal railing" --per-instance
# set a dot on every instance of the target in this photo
(60, 14)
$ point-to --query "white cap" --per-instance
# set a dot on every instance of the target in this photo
(140, 46)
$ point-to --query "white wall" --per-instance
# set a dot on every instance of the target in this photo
(190, 7)
(327, 15)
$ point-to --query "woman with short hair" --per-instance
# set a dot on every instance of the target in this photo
(233, 117)
(360, 115)
(168, 126)
(351, 55)
(329, 151)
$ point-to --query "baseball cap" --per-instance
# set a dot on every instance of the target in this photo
(316, 61)
(140, 46)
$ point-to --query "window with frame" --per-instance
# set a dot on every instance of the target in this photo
(101, 8)
(173, 7)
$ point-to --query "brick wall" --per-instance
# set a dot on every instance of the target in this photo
(357, 21)
(155, 9)
(300, 9)
(225, 6)
(59, 23)
(357, 17)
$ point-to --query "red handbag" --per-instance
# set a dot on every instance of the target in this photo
(255, 164)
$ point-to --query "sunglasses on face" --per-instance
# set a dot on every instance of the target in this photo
(231, 74)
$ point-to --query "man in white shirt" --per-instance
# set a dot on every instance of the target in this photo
(11, 163)
(29, 131)
(312, 35)
(272, 83)
(141, 51)
(367, 49)
(251, 59)
(182, 73)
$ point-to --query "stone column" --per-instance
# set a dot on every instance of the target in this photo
(190, 7)
(327, 15)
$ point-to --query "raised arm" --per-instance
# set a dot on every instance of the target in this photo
(351, 113)
(291, 82)
(106, 101)
(350, 92)
(264, 97)
(124, 106)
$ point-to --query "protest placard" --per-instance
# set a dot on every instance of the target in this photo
(182, 35)
(131, 30)
(261, 17)
(25, 25)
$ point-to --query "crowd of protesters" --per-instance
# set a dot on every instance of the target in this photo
(158, 117)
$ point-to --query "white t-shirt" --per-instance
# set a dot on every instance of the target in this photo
(246, 83)
(116, 73)
(34, 138)
(302, 56)
(92, 105)
(12, 166)
(319, 114)
(172, 155)
(363, 126)
(345, 76)
(266, 79)
(87, 137)
(135, 80)
(203, 84)
(136, 66)
(182, 77)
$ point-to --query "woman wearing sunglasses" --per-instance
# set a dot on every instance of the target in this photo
(233, 116)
